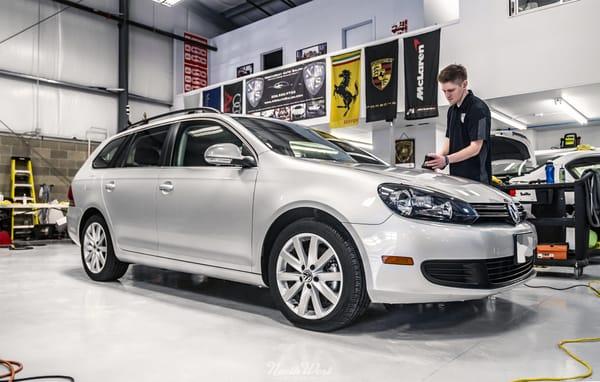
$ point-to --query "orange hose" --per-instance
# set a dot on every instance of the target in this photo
(13, 368)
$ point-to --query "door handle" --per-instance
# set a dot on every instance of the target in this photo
(166, 187)
(110, 186)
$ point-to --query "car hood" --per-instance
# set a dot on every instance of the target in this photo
(460, 188)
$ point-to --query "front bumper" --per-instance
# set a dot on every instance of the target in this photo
(439, 243)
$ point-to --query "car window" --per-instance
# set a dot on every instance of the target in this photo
(108, 153)
(578, 166)
(294, 140)
(359, 155)
(195, 137)
(146, 148)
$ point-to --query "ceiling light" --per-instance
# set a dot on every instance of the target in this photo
(508, 120)
(569, 109)
(168, 3)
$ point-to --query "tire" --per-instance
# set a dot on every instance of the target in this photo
(327, 296)
(99, 264)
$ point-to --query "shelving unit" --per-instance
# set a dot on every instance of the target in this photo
(551, 220)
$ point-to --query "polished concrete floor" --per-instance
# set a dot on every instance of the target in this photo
(157, 325)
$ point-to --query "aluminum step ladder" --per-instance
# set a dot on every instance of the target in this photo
(22, 191)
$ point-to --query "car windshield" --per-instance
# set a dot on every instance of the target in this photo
(578, 166)
(511, 167)
(293, 140)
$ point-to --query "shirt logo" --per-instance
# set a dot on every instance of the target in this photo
(462, 117)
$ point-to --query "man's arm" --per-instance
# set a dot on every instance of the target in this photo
(445, 148)
(468, 152)
(442, 159)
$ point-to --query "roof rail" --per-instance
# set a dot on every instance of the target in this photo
(190, 110)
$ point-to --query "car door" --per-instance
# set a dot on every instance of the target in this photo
(204, 211)
(129, 192)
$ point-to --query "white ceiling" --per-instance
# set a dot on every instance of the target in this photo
(538, 109)
(221, 5)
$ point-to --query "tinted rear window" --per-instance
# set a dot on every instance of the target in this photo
(106, 157)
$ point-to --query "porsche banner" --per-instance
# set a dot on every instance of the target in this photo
(232, 98)
(291, 94)
(421, 65)
(381, 72)
(345, 93)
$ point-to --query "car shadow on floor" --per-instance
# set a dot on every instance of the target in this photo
(468, 319)
(451, 320)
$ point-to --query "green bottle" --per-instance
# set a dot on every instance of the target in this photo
(561, 174)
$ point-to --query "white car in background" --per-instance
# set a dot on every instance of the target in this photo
(512, 154)
(574, 162)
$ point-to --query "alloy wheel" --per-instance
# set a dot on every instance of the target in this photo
(95, 247)
(309, 276)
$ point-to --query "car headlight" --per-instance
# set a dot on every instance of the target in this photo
(417, 203)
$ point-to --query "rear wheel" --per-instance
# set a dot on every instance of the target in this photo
(316, 276)
(97, 252)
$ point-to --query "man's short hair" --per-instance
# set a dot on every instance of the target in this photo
(453, 73)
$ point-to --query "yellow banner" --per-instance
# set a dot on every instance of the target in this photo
(345, 97)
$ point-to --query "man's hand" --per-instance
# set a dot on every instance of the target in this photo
(438, 161)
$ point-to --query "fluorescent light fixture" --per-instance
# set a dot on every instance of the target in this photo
(569, 109)
(168, 3)
(508, 120)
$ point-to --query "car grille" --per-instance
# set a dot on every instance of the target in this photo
(496, 212)
(477, 274)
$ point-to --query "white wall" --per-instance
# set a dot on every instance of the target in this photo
(383, 142)
(549, 49)
(438, 12)
(82, 48)
(546, 138)
(306, 25)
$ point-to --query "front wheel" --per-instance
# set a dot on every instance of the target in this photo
(97, 252)
(316, 276)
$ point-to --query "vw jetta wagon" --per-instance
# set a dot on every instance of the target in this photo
(273, 204)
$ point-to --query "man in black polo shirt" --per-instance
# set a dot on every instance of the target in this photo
(467, 145)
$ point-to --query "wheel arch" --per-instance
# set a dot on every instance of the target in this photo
(297, 213)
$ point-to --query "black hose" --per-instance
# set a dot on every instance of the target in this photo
(592, 202)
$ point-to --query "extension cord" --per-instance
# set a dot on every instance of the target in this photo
(561, 346)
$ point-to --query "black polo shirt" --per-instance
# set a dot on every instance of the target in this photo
(470, 122)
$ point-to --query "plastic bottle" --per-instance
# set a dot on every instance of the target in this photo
(561, 174)
(549, 172)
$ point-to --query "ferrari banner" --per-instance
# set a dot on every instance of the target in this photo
(421, 64)
(381, 71)
(345, 93)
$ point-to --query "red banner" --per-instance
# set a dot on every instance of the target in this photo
(195, 64)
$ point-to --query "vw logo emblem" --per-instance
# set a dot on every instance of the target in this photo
(513, 211)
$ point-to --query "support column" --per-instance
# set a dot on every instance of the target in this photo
(123, 108)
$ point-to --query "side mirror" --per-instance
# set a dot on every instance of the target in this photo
(227, 154)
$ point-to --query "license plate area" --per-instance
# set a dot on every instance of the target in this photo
(523, 247)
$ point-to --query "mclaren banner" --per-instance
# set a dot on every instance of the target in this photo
(232, 98)
(421, 64)
(291, 94)
(381, 71)
(345, 93)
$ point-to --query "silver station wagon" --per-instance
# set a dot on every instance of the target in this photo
(274, 204)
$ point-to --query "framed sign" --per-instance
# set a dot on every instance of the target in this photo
(291, 94)
(405, 153)
(244, 70)
(311, 51)
(195, 64)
